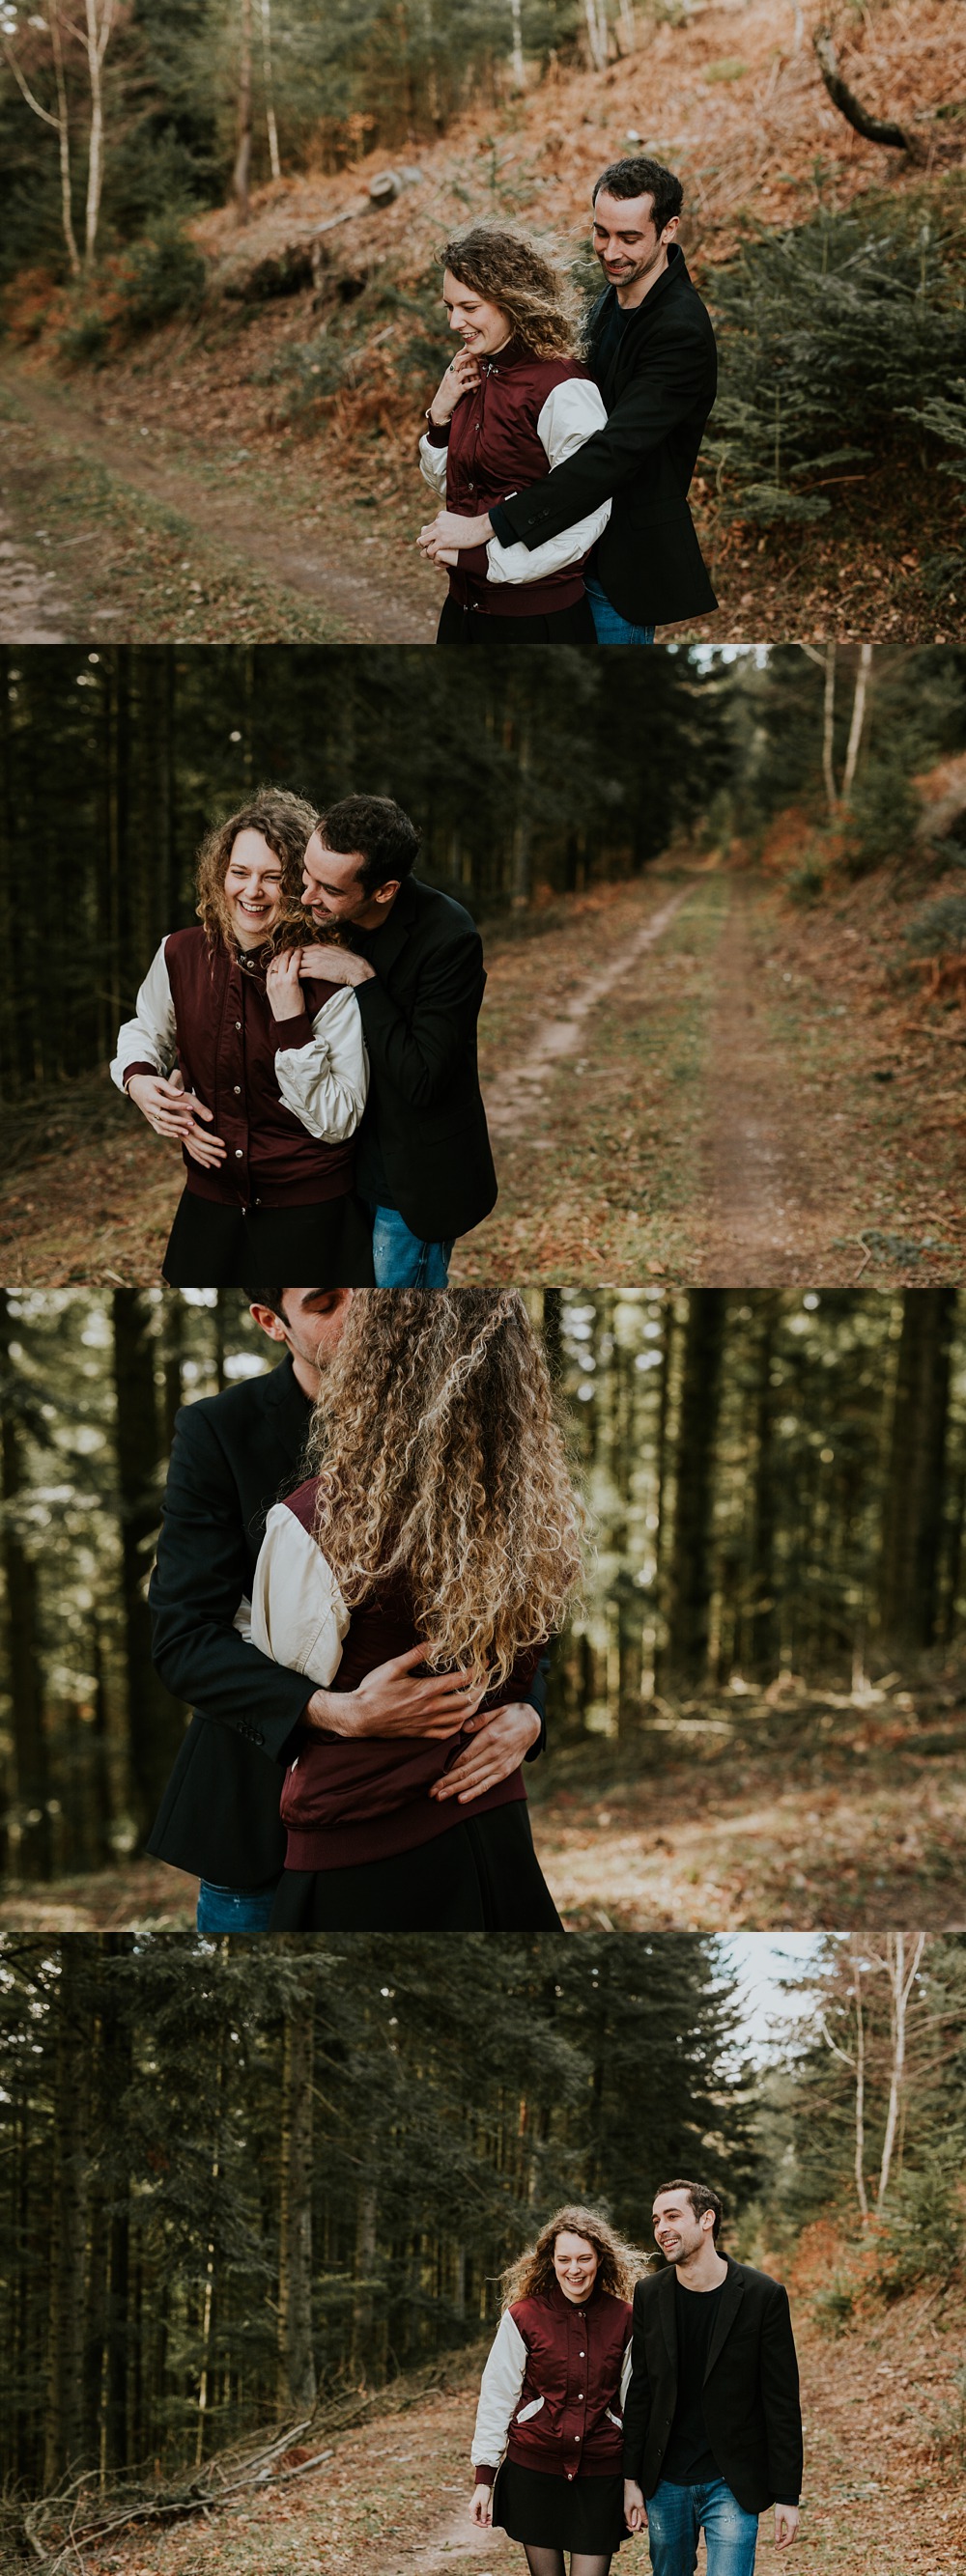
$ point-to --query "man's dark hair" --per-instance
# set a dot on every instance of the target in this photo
(700, 2197)
(642, 178)
(387, 842)
(268, 1297)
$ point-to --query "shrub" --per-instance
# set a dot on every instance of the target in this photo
(162, 275)
(834, 2306)
(829, 331)
(921, 2238)
(806, 883)
(882, 815)
(938, 929)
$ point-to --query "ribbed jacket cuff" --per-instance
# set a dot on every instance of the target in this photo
(484, 2476)
(295, 1032)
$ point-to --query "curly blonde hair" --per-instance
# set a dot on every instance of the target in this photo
(514, 275)
(441, 1459)
(620, 2265)
(287, 823)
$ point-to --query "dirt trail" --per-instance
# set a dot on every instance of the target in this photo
(30, 610)
(393, 2495)
(516, 1094)
(325, 564)
(769, 1218)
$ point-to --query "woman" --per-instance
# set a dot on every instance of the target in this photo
(441, 1511)
(512, 405)
(552, 2394)
(259, 1072)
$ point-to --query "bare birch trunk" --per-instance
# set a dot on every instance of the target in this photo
(828, 730)
(859, 703)
(243, 148)
(594, 13)
(902, 1978)
(517, 71)
(272, 128)
(63, 138)
(861, 2193)
(100, 20)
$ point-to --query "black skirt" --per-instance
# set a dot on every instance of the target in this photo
(586, 2514)
(482, 1876)
(214, 1246)
(556, 626)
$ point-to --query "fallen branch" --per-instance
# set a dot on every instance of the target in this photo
(256, 2472)
(873, 129)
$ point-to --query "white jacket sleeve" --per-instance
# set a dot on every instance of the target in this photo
(499, 2389)
(570, 415)
(298, 1616)
(626, 2373)
(151, 1037)
(325, 1083)
(432, 463)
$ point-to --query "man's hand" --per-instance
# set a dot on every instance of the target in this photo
(496, 1750)
(448, 533)
(635, 2509)
(286, 999)
(481, 2505)
(786, 2524)
(393, 1700)
(335, 966)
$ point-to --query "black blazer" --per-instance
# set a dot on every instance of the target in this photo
(751, 2404)
(233, 1456)
(658, 388)
(424, 1124)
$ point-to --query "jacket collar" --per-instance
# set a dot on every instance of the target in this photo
(384, 945)
(291, 1407)
(675, 275)
(732, 2293)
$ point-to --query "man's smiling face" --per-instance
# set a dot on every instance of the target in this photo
(628, 247)
(332, 888)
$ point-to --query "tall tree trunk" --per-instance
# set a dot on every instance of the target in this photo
(517, 70)
(763, 1625)
(828, 730)
(63, 137)
(362, 2303)
(901, 1966)
(64, 2412)
(686, 1653)
(100, 20)
(863, 682)
(913, 1507)
(23, 1644)
(154, 1722)
(296, 2364)
(269, 86)
(860, 2190)
(243, 146)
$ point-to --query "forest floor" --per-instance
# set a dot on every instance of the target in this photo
(686, 1079)
(883, 2493)
(791, 1807)
(192, 485)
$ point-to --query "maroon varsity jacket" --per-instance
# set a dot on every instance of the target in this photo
(568, 2417)
(350, 1799)
(227, 1043)
(494, 450)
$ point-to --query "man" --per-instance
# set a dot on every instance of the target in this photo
(651, 351)
(712, 2425)
(424, 1160)
(234, 1455)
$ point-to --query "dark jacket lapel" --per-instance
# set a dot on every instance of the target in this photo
(731, 2298)
(667, 2311)
(390, 941)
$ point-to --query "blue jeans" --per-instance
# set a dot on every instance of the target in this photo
(400, 1260)
(612, 628)
(235, 1909)
(676, 2515)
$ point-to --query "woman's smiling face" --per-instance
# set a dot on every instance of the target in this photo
(253, 889)
(482, 327)
(575, 2262)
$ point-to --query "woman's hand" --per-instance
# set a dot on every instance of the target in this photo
(393, 1700)
(286, 999)
(461, 375)
(481, 2507)
(448, 533)
(497, 1749)
(173, 1111)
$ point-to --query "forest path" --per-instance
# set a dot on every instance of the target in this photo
(743, 1106)
(30, 610)
(394, 2494)
(152, 537)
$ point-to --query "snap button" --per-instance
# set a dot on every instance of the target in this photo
(238, 1154)
(237, 1090)
(237, 1024)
